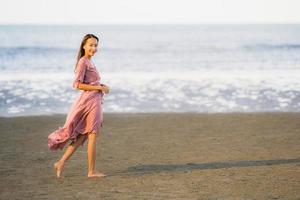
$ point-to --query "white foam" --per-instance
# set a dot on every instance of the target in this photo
(8, 101)
(213, 90)
(15, 109)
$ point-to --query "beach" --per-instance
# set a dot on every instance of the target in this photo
(158, 156)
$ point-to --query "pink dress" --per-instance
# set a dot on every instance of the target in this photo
(85, 114)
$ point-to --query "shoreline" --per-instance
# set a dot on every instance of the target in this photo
(160, 113)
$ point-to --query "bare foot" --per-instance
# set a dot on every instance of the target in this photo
(96, 174)
(58, 168)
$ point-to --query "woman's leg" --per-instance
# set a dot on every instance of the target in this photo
(92, 156)
(69, 151)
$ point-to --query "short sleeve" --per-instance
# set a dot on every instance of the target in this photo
(79, 73)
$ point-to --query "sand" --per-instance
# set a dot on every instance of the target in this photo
(158, 156)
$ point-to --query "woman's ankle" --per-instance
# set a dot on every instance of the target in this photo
(91, 172)
(60, 162)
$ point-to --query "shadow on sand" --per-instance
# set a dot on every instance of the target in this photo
(148, 169)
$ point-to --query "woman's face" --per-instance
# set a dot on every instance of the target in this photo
(90, 47)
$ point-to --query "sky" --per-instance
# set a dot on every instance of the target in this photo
(149, 11)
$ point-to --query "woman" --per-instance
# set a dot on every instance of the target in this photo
(85, 117)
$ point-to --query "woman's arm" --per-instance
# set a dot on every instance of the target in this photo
(83, 86)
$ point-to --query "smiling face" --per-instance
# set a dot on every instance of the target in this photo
(90, 47)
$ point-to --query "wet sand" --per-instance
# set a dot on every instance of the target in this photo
(158, 156)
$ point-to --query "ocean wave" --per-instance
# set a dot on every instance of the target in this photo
(267, 47)
(206, 91)
(32, 50)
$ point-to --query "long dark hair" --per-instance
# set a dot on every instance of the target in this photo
(81, 51)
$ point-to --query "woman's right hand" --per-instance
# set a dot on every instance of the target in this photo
(104, 89)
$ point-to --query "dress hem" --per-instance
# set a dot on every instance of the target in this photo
(60, 146)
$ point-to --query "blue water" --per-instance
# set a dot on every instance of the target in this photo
(154, 68)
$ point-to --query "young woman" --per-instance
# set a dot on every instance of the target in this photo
(85, 117)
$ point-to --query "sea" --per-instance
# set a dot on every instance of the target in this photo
(197, 68)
